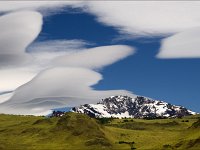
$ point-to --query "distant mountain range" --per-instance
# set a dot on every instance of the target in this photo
(127, 107)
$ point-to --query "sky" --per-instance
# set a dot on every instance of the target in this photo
(65, 53)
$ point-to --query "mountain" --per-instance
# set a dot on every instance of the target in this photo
(138, 107)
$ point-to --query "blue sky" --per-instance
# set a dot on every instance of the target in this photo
(172, 80)
(57, 54)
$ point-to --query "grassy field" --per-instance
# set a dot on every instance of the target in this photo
(78, 131)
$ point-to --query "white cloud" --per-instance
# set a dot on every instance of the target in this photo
(59, 84)
(17, 30)
(57, 87)
(185, 44)
(67, 85)
(39, 57)
(4, 97)
(11, 79)
(152, 18)
(147, 18)
(58, 46)
(95, 58)
(6, 6)
(72, 53)
(132, 17)
(45, 52)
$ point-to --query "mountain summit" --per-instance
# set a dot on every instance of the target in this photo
(138, 107)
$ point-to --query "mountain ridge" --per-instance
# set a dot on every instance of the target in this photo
(137, 107)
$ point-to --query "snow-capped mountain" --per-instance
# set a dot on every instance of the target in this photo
(138, 107)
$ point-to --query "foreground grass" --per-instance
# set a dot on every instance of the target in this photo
(78, 131)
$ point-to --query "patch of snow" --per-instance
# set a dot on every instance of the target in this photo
(193, 113)
(118, 106)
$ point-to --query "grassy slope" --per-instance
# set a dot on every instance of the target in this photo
(156, 134)
(77, 131)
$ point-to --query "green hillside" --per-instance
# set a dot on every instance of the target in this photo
(78, 131)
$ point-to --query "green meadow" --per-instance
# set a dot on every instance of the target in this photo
(78, 131)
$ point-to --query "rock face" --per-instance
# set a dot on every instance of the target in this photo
(138, 107)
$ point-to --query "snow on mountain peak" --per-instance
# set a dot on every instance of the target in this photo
(138, 107)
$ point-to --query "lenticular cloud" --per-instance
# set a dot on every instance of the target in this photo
(131, 18)
(66, 84)
(57, 87)
(185, 44)
(40, 83)
(95, 58)
(18, 30)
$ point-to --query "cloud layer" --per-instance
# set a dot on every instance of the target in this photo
(131, 17)
(180, 20)
(61, 72)
(55, 74)
(185, 44)
(44, 6)
(18, 30)
(68, 83)
(12, 78)
(95, 58)
(57, 87)
(147, 18)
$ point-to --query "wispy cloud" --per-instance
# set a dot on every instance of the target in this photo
(67, 46)
(45, 52)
